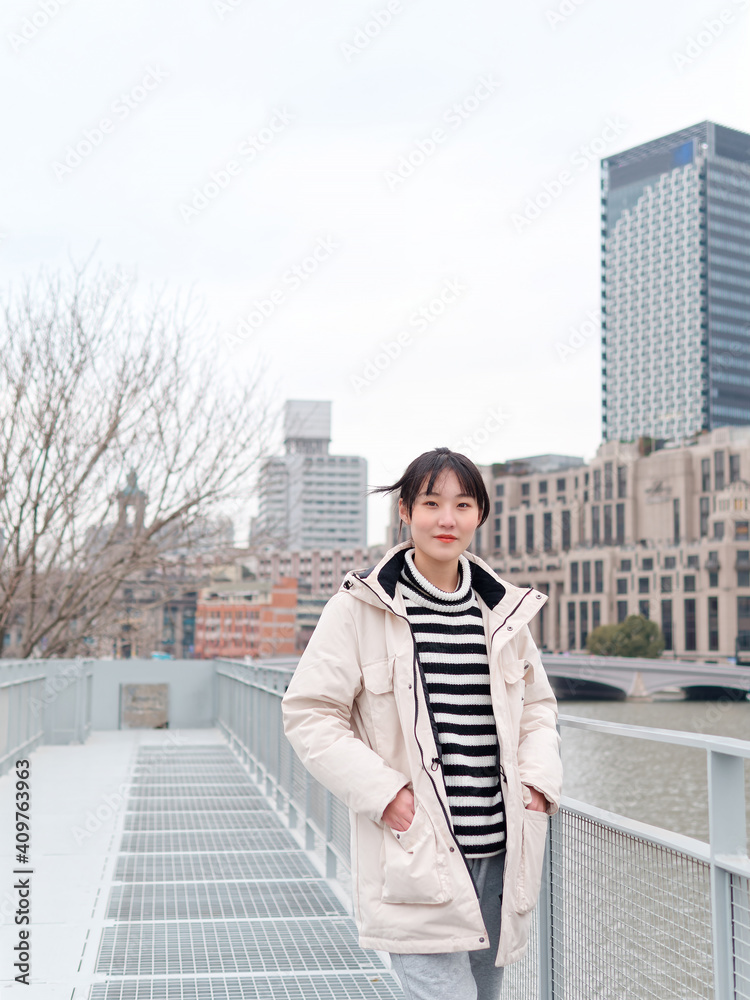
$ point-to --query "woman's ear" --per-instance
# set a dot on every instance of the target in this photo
(402, 511)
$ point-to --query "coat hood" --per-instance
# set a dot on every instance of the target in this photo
(377, 585)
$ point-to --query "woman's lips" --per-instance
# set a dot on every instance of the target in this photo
(446, 538)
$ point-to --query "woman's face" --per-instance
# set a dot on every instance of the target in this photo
(442, 523)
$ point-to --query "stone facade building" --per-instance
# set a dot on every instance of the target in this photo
(663, 533)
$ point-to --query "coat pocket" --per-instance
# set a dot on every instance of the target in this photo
(378, 675)
(533, 843)
(413, 871)
(514, 670)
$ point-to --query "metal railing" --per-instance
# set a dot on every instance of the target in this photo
(627, 910)
(42, 701)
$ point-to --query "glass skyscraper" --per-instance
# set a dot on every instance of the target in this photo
(676, 285)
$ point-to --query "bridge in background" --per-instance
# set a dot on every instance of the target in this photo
(618, 677)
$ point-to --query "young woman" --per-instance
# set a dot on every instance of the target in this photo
(421, 701)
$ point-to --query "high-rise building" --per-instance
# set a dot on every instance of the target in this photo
(676, 285)
(310, 499)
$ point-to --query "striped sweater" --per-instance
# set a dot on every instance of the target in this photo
(451, 646)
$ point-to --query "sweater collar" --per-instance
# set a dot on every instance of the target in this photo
(427, 593)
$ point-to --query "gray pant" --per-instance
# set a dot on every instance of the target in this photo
(461, 975)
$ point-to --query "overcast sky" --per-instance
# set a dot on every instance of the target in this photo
(370, 160)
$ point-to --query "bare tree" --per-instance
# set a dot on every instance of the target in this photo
(94, 388)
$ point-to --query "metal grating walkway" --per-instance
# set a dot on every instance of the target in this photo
(213, 898)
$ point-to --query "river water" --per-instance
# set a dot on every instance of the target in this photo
(652, 782)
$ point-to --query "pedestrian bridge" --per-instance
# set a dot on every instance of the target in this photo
(617, 677)
(204, 863)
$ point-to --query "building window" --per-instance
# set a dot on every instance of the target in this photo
(705, 475)
(608, 485)
(693, 562)
(498, 506)
(647, 564)
(599, 576)
(704, 512)
(584, 623)
(586, 578)
(596, 614)
(713, 624)
(741, 532)
(571, 625)
(529, 532)
(622, 611)
(622, 482)
(597, 484)
(560, 485)
(718, 470)
(512, 534)
(644, 609)
(542, 487)
(626, 565)
(498, 543)
(743, 577)
(499, 489)
(743, 557)
(498, 523)
(666, 585)
(743, 619)
(547, 532)
(676, 521)
(690, 639)
(566, 530)
(669, 562)
(620, 524)
(574, 578)
(718, 530)
(734, 468)
(622, 585)
(688, 582)
(525, 489)
(595, 525)
(666, 623)
(643, 584)
(608, 524)
(713, 578)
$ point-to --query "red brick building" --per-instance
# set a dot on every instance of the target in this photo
(235, 623)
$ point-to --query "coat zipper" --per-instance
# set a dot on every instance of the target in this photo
(437, 759)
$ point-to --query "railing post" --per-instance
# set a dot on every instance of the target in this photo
(330, 856)
(546, 941)
(279, 744)
(292, 803)
(309, 832)
(728, 835)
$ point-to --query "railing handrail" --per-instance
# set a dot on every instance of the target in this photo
(719, 744)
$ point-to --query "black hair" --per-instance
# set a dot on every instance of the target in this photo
(430, 465)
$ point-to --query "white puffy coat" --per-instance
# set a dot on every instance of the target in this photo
(356, 714)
